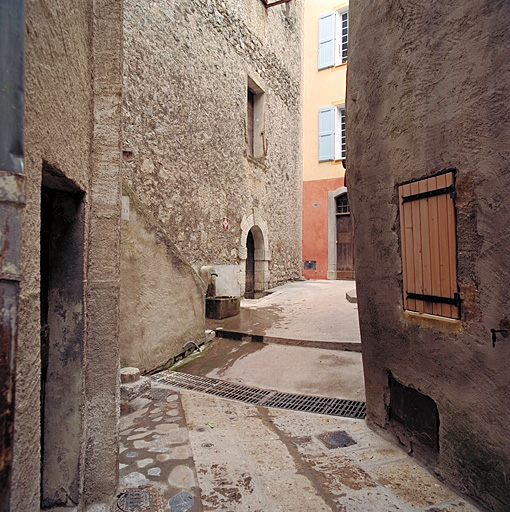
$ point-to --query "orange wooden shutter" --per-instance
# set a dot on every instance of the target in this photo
(429, 252)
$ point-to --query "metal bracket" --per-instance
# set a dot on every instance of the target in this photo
(455, 301)
(269, 3)
(431, 193)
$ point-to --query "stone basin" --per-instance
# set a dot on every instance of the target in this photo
(222, 307)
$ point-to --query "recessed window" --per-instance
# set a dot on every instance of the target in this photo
(333, 38)
(332, 133)
(255, 121)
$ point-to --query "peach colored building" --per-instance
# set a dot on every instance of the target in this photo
(327, 231)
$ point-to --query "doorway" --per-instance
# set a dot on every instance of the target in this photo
(344, 239)
(62, 336)
(249, 292)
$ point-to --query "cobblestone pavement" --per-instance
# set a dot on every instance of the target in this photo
(185, 451)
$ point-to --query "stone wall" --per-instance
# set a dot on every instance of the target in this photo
(72, 149)
(186, 72)
(162, 299)
(428, 87)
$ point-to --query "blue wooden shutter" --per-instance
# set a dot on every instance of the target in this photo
(326, 40)
(326, 134)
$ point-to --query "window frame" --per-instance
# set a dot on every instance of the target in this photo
(340, 46)
(255, 121)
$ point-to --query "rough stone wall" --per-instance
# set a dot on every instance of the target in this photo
(66, 45)
(162, 298)
(428, 87)
(186, 70)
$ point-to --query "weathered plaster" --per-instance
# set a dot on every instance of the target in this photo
(428, 84)
(162, 298)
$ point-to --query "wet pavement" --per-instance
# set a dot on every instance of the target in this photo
(309, 313)
(184, 450)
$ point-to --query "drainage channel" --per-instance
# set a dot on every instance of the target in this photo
(263, 397)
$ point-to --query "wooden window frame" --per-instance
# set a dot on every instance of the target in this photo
(255, 123)
(429, 246)
(341, 46)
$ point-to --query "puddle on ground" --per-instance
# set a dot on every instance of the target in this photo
(249, 320)
(218, 356)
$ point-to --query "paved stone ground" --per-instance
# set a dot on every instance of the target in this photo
(156, 463)
(196, 452)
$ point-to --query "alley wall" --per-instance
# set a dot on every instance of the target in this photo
(67, 389)
(428, 87)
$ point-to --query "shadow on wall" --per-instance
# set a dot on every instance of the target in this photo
(162, 298)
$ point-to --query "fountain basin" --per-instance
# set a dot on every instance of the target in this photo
(222, 307)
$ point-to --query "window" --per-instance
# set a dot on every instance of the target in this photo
(429, 253)
(331, 133)
(255, 121)
(333, 38)
(342, 205)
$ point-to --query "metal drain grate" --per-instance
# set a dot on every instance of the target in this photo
(266, 398)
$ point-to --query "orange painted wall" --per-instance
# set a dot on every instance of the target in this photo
(315, 224)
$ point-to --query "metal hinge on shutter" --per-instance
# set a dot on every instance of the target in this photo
(431, 193)
(455, 301)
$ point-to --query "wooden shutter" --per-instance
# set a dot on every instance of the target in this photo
(326, 56)
(327, 134)
(429, 252)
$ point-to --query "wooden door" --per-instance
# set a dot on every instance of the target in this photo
(344, 240)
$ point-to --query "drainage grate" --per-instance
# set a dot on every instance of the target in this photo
(256, 396)
(140, 499)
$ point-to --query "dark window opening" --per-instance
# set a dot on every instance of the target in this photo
(250, 121)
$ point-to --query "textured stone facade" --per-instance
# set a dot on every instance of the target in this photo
(188, 65)
(67, 390)
(428, 88)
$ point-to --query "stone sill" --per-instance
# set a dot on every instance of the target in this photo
(441, 323)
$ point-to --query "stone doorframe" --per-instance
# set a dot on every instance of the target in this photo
(332, 195)
(258, 226)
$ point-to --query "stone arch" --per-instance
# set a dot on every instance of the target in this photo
(257, 226)
(332, 196)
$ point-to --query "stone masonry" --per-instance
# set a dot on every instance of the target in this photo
(187, 69)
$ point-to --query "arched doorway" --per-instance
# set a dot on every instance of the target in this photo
(249, 291)
(340, 236)
(254, 255)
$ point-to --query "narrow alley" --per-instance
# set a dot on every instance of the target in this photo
(184, 446)
(189, 190)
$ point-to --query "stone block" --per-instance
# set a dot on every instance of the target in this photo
(129, 374)
(132, 390)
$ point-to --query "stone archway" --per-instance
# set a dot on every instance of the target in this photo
(254, 255)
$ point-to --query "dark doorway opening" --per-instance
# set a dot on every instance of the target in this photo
(62, 338)
(250, 267)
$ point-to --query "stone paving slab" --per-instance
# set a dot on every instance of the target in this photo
(187, 451)
(258, 459)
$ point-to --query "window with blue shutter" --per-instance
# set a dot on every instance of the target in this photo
(327, 134)
(327, 40)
